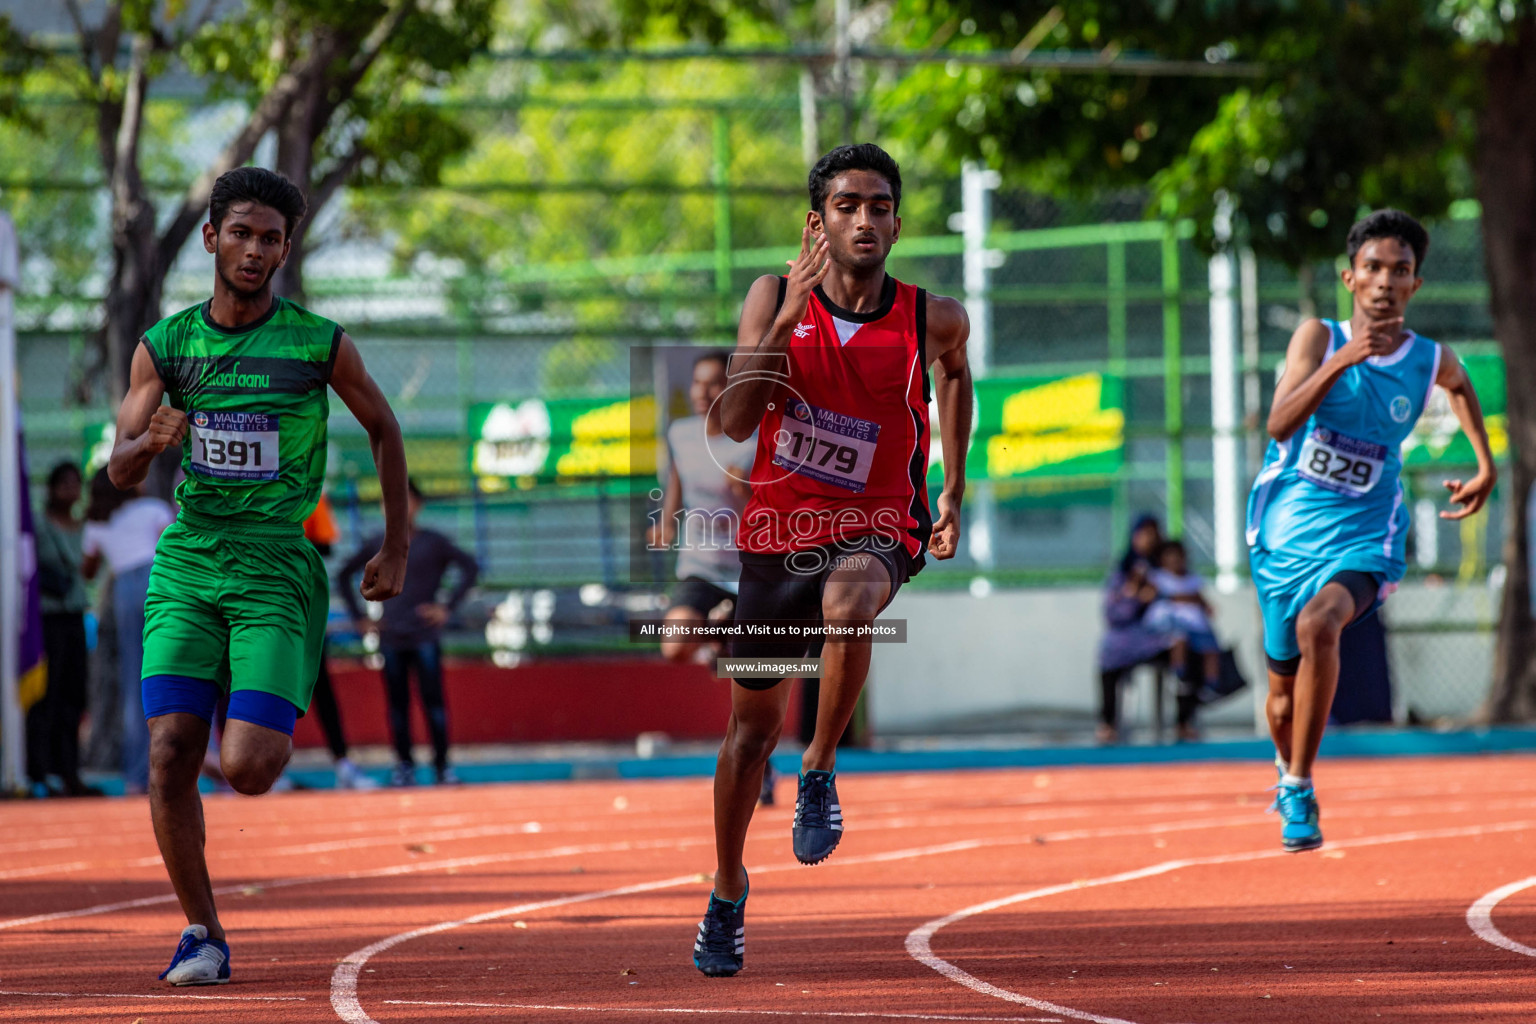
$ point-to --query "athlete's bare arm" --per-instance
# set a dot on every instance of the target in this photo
(948, 330)
(145, 428)
(1306, 379)
(762, 334)
(384, 574)
(1471, 494)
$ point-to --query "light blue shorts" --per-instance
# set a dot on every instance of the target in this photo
(1287, 582)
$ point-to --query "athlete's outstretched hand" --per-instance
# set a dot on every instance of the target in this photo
(806, 271)
(167, 429)
(383, 576)
(945, 540)
(1379, 339)
(1471, 495)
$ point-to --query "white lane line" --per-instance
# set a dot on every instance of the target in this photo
(761, 1013)
(79, 865)
(919, 940)
(386, 872)
(621, 847)
(1480, 917)
(171, 997)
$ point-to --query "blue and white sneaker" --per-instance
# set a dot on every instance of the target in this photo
(721, 948)
(1299, 829)
(818, 817)
(199, 960)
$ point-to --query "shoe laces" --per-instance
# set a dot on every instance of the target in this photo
(717, 932)
(192, 948)
(1291, 802)
(814, 807)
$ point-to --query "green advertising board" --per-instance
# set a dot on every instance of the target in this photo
(1036, 427)
(562, 438)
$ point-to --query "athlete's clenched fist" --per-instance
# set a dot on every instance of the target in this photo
(167, 428)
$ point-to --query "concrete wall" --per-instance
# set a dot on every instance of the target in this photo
(1017, 652)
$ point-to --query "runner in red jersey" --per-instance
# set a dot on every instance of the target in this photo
(831, 369)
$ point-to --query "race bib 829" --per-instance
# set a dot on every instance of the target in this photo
(1345, 465)
(234, 445)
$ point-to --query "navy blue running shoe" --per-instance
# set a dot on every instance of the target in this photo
(721, 948)
(198, 960)
(818, 817)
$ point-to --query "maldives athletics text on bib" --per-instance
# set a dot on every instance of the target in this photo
(832, 447)
(256, 403)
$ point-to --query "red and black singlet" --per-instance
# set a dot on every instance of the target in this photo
(842, 450)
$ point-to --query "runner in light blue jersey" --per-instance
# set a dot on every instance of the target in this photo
(1326, 518)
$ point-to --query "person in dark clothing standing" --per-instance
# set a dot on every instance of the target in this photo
(53, 723)
(408, 635)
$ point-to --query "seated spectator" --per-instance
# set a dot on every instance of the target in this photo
(1181, 611)
(1128, 641)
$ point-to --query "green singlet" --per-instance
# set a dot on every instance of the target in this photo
(237, 595)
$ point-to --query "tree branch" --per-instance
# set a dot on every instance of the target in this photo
(126, 146)
(336, 177)
(268, 111)
(373, 44)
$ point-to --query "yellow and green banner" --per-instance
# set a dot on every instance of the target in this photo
(541, 439)
(1044, 427)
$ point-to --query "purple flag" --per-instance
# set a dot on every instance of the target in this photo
(31, 667)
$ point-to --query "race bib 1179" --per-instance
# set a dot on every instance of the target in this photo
(234, 445)
(832, 447)
(1343, 464)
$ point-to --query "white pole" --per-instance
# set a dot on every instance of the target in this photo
(1226, 469)
(12, 754)
(974, 222)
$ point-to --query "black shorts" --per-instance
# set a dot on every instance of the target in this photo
(789, 587)
(699, 594)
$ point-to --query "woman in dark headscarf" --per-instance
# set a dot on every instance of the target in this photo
(1127, 642)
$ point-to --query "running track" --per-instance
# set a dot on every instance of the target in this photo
(1154, 895)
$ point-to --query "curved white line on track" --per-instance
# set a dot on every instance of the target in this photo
(1480, 917)
(344, 999)
(696, 1011)
(919, 940)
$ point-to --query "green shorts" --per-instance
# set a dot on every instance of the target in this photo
(242, 604)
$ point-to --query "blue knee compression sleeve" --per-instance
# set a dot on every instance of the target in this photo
(163, 695)
(264, 709)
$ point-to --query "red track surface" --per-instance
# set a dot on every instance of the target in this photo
(324, 889)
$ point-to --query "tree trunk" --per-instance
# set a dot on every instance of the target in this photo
(296, 137)
(133, 296)
(1506, 184)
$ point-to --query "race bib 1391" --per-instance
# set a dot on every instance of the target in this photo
(234, 445)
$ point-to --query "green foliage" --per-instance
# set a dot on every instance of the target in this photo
(1354, 105)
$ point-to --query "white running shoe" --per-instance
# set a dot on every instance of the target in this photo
(350, 776)
(199, 960)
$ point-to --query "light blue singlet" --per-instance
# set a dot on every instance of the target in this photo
(1329, 498)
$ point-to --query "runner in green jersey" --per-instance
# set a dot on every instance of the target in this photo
(237, 597)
